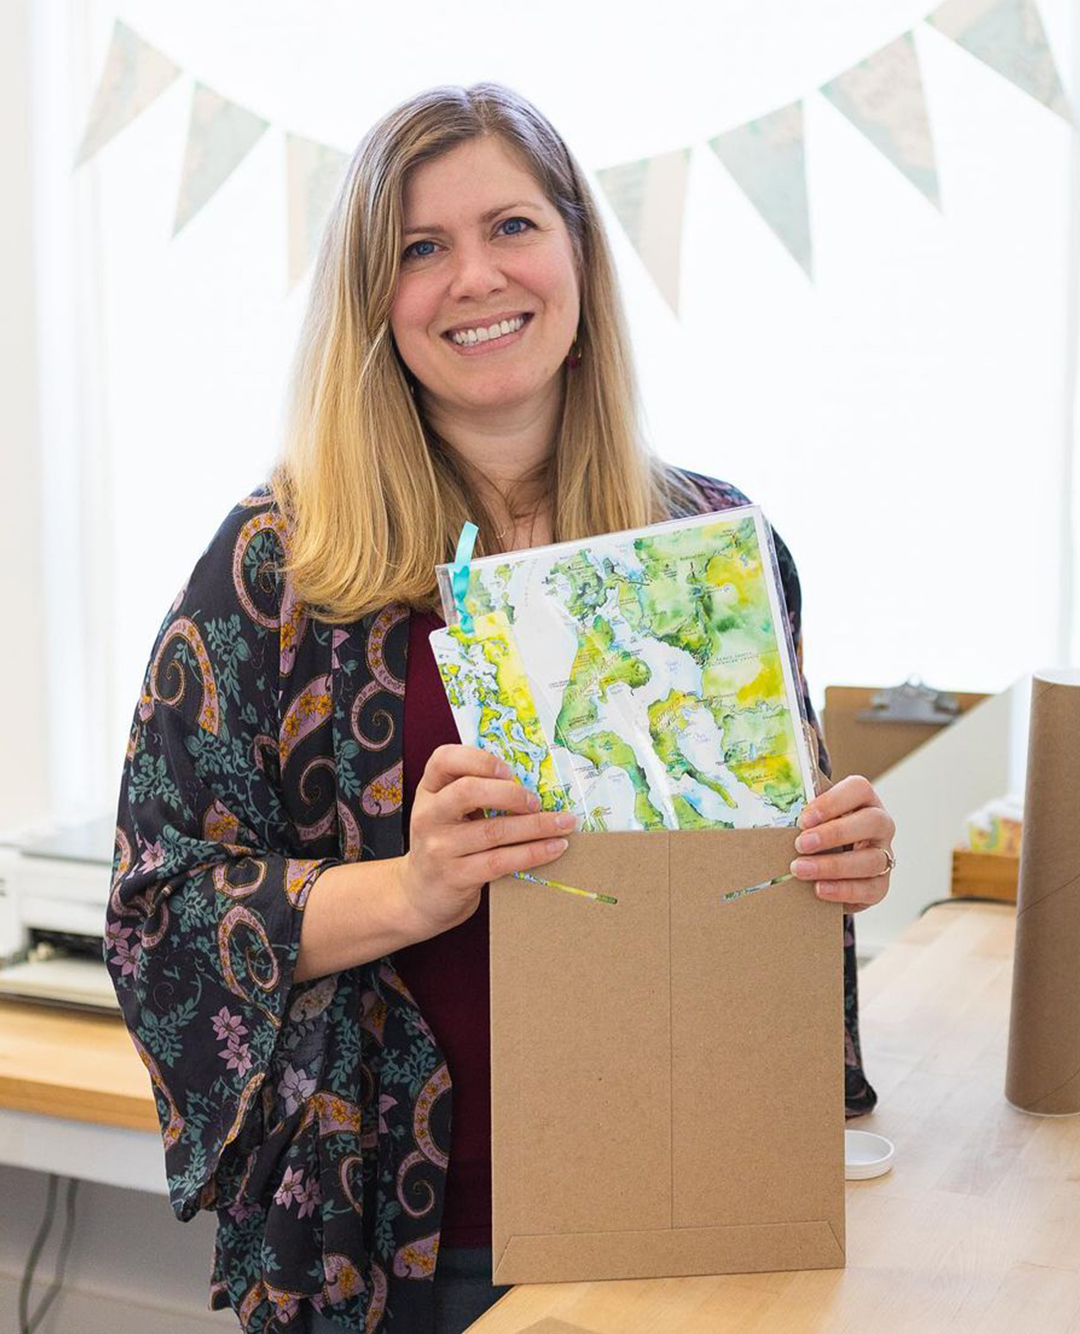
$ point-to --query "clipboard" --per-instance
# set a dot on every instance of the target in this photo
(868, 729)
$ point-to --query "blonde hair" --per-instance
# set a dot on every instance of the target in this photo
(372, 498)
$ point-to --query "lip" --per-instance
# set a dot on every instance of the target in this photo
(493, 344)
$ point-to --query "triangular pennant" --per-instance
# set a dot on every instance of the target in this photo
(648, 198)
(767, 159)
(1008, 36)
(883, 97)
(220, 136)
(313, 173)
(134, 75)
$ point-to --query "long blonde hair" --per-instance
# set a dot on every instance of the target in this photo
(373, 499)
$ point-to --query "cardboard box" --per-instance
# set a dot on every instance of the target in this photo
(667, 1071)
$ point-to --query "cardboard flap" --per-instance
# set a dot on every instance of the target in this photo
(757, 1248)
(580, 1009)
(757, 1043)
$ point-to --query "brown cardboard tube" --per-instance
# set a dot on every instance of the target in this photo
(1043, 1074)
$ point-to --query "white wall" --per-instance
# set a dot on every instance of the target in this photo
(24, 792)
(902, 419)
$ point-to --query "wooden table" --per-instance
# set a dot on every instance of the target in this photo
(75, 1098)
(976, 1228)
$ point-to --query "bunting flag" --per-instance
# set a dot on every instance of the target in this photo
(883, 97)
(767, 159)
(1008, 36)
(313, 174)
(220, 136)
(135, 74)
(648, 197)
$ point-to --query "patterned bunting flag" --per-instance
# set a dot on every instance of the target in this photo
(883, 97)
(134, 75)
(1008, 36)
(648, 198)
(220, 136)
(313, 173)
(767, 159)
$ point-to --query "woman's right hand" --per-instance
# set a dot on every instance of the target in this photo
(452, 854)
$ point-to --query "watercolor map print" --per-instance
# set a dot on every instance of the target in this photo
(638, 679)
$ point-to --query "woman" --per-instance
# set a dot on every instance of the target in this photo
(297, 928)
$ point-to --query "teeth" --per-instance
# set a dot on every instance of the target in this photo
(467, 336)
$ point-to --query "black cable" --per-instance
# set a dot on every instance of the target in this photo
(28, 1323)
(967, 898)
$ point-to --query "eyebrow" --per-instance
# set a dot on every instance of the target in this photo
(484, 217)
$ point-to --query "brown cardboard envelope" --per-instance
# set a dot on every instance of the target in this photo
(667, 1071)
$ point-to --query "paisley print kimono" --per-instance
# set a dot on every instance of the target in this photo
(312, 1117)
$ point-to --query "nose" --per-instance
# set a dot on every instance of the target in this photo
(474, 271)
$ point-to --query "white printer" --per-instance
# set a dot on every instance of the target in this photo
(54, 890)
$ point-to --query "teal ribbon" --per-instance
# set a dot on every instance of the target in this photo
(459, 573)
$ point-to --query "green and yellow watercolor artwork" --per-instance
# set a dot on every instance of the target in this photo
(643, 679)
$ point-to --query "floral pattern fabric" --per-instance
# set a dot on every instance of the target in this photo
(312, 1117)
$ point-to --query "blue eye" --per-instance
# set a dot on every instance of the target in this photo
(413, 247)
(526, 221)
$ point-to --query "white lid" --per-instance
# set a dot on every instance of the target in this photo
(866, 1155)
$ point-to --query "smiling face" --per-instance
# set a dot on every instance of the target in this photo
(483, 244)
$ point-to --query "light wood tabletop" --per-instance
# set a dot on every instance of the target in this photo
(977, 1226)
(56, 1062)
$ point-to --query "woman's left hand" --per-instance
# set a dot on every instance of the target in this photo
(849, 832)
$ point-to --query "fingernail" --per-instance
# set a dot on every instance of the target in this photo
(823, 890)
(809, 818)
(533, 801)
(807, 842)
(557, 845)
(504, 770)
(803, 869)
(567, 820)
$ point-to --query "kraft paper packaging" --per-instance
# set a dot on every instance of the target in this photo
(667, 1085)
(1043, 1073)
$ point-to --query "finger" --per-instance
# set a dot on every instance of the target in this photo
(847, 795)
(483, 867)
(470, 793)
(853, 894)
(859, 864)
(499, 830)
(872, 824)
(448, 762)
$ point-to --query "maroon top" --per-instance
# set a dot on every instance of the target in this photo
(448, 974)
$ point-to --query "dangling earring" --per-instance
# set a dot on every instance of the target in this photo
(573, 358)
